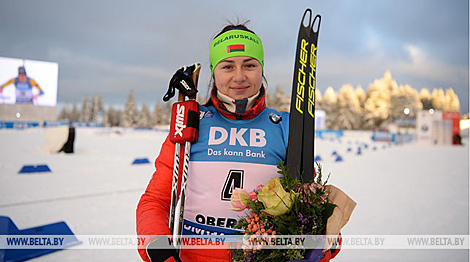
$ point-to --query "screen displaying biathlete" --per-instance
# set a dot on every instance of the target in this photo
(23, 87)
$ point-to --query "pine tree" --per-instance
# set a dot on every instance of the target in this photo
(348, 111)
(85, 112)
(130, 116)
(119, 115)
(156, 118)
(74, 115)
(438, 99)
(97, 109)
(144, 119)
(452, 101)
(377, 105)
(404, 97)
(426, 98)
(166, 114)
(278, 101)
(361, 95)
(63, 114)
(105, 120)
(330, 98)
(113, 116)
(318, 100)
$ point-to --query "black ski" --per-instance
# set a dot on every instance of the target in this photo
(300, 150)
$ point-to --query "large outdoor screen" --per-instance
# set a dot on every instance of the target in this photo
(28, 82)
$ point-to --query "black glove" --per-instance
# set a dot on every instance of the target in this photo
(182, 80)
(160, 250)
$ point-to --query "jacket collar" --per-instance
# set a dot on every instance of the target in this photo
(259, 104)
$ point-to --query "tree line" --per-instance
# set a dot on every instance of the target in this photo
(93, 110)
(382, 103)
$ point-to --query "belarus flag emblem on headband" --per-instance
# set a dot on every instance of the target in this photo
(236, 48)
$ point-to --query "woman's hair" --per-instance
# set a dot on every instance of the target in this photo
(230, 26)
(239, 26)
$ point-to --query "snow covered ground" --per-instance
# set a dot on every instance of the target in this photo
(400, 190)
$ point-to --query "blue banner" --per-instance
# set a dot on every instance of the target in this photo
(18, 124)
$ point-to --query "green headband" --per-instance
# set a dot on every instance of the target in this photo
(235, 43)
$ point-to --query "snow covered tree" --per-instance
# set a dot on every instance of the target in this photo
(130, 116)
(318, 100)
(160, 116)
(114, 116)
(404, 97)
(278, 101)
(330, 98)
(96, 109)
(426, 98)
(144, 119)
(166, 113)
(377, 105)
(348, 111)
(361, 95)
(63, 114)
(74, 115)
(452, 101)
(155, 118)
(438, 99)
(105, 120)
(85, 112)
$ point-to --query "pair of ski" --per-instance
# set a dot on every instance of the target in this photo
(300, 149)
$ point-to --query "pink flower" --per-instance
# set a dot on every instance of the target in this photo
(253, 195)
(239, 199)
(311, 191)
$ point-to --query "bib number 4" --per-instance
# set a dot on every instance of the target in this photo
(234, 180)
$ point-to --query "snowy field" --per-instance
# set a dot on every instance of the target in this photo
(400, 189)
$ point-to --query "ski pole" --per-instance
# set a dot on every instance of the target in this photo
(183, 129)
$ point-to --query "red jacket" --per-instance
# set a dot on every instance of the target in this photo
(154, 205)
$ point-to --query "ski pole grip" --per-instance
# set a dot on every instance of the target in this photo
(185, 81)
(184, 122)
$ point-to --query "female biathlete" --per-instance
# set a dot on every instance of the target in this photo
(24, 87)
(240, 142)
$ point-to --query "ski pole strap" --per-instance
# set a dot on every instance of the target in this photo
(184, 122)
(182, 80)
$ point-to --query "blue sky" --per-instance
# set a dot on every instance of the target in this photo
(110, 47)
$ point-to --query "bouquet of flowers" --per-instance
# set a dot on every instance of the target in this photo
(284, 206)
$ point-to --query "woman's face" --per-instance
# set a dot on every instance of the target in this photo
(22, 78)
(238, 77)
